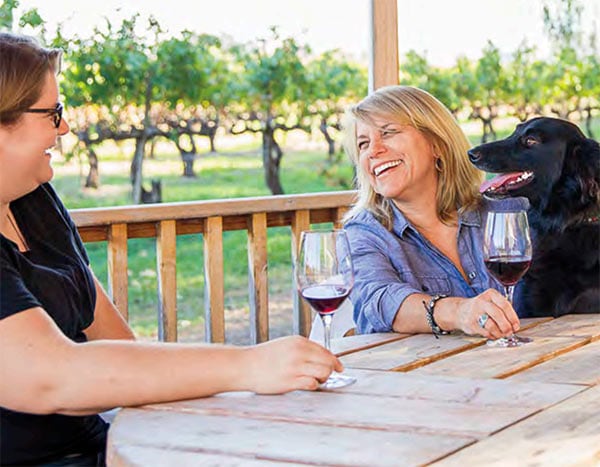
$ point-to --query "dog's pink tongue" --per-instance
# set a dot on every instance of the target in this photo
(498, 181)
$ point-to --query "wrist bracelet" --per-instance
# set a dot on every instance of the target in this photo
(429, 307)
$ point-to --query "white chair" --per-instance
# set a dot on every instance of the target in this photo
(342, 323)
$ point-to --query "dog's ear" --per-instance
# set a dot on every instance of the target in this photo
(583, 162)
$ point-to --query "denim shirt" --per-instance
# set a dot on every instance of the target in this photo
(391, 265)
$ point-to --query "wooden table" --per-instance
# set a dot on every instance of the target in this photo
(418, 400)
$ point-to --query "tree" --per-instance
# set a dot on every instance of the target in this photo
(271, 93)
(526, 81)
(29, 17)
(113, 74)
(490, 91)
(332, 83)
(195, 76)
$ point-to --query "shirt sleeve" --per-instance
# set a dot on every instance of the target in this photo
(14, 295)
(378, 290)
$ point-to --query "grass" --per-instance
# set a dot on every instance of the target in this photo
(236, 172)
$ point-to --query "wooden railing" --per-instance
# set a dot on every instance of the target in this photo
(165, 222)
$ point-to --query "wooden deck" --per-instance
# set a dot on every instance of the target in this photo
(418, 400)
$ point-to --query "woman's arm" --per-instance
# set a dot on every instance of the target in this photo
(42, 371)
(457, 313)
(108, 322)
(383, 302)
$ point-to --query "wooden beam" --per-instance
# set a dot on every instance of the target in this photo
(383, 63)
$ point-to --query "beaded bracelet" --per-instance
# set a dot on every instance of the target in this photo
(429, 307)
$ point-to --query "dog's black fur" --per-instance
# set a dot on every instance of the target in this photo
(564, 195)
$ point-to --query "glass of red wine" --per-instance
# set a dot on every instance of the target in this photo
(507, 256)
(324, 277)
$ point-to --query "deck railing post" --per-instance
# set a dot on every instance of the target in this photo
(166, 260)
(302, 311)
(214, 291)
(258, 290)
(117, 268)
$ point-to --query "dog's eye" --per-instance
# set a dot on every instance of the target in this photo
(530, 141)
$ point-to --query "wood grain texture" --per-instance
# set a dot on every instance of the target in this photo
(581, 366)
(495, 362)
(302, 311)
(258, 287)
(448, 409)
(214, 291)
(358, 342)
(166, 262)
(204, 209)
(411, 352)
(383, 69)
(251, 439)
(566, 434)
(118, 282)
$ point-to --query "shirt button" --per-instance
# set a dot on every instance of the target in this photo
(472, 275)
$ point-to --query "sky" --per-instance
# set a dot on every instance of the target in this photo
(440, 29)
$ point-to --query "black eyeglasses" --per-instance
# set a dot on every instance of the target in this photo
(55, 113)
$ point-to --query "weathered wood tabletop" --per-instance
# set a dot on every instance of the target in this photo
(418, 400)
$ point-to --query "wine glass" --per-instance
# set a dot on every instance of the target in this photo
(507, 256)
(324, 278)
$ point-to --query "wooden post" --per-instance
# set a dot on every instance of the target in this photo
(214, 289)
(117, 267)
(166, 260)
(383, 56)
(258, 290)
(302, 311)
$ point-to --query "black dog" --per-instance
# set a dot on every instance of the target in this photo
(553, 164)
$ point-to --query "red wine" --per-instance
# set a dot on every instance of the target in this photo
(508, 269)
(325, 299)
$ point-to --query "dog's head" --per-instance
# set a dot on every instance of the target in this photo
(547, 160)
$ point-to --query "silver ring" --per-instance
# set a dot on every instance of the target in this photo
(483, 319)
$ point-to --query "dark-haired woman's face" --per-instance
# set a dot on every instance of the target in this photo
(25, 146)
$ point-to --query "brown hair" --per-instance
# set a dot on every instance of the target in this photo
(458, 179)
(23, 68)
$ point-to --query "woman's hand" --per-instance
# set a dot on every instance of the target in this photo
(288, 364)
(502, 320)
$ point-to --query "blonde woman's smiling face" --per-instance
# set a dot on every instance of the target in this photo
(398, 160)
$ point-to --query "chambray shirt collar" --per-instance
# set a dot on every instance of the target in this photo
(468, 218)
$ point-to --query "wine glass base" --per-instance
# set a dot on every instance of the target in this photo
(511, 341)
(337, 380)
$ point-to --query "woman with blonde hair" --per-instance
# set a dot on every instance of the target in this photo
(416, 229)
(65, 352)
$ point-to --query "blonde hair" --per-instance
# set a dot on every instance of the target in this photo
(458, 180)
(23, 68)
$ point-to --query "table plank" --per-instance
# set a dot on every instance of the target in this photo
(346, 345)
(581, 366)
(566, 434)
(415, 351)
(449, 409)
(478, 393)
(570, 326)
(496, 362)
(411, 352)
(125, 455)
(271, 440)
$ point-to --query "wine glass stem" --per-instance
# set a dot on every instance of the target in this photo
(509, 289)
(327, 330)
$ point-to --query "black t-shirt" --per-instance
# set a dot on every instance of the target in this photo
(53, 275)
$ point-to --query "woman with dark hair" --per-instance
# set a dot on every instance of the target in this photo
(65, 352)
